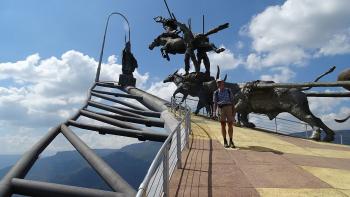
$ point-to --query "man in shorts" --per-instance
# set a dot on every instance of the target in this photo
(223, 99)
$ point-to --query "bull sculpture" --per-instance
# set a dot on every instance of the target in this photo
(192, 84)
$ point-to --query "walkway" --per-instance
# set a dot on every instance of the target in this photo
(264, 164)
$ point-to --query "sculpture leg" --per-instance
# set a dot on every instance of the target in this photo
(195, 62)
(199, 107)
(316, 124)
(183, 98)
(165, 53)
(177, 91)
(245, 121)
(199, 57)
(187, 63)
(238, 122)
(206, 63)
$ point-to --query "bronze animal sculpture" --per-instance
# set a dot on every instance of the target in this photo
(192, 84)
(274, 101)
(169, 45)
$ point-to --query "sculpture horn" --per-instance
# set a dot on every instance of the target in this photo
(319, 77)
(342, 120)
(218, 73)
(225, 78)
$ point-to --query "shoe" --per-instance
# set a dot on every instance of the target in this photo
(232, 145)
(226, 145)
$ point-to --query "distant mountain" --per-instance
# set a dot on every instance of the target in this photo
(68, 167)
(8, 160)
(341, 136)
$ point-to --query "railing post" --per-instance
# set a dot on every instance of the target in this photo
(171, 104)
(341, 139)
(166, 171)
(306, 136)
(178, 145)
(276, 125)
(189, 123)
(188, 126)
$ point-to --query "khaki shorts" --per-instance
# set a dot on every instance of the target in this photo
(226, 114)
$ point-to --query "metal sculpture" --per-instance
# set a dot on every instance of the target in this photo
(129, 63)
(274, 101)
(192, 84)
(344, 76)
(172, 43)
(97, 78)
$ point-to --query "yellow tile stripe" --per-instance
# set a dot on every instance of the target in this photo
(244, 138)
(281, 192)
(337, 178)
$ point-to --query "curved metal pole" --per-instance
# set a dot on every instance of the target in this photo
(97, 78)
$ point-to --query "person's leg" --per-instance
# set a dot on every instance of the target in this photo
(230, 134)
(230, 119)
(223, 132)
(223, 126)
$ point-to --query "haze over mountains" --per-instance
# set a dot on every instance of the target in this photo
(68, 167)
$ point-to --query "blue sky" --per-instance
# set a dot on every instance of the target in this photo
(51, 28)
(286, 41)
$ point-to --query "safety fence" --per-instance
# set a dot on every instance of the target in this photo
(156, 181)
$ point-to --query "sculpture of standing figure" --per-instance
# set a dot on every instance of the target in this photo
(189, 38)
(129, 64)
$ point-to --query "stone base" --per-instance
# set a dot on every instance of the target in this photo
(127, 80)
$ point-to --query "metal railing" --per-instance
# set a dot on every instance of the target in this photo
(280, 125)
(126, 120)
(156, 181)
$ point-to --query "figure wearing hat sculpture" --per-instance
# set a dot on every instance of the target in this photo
(129, 64)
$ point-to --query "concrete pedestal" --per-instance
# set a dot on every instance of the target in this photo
(127, 80)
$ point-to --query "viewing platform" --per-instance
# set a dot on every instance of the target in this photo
(262, 164)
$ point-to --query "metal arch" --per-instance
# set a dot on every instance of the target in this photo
(97, 78)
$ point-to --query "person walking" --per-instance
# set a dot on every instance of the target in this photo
(223, 99)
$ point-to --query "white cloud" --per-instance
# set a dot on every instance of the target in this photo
(328, 119)
(339, 44)
(162, 90)
(297, 30)
(325, 105)
(44, 92)
(329, 109)
(282, 74)
(226, 60)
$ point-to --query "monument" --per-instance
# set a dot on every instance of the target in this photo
(129, 64)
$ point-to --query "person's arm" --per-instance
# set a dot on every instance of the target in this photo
(215, 104)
